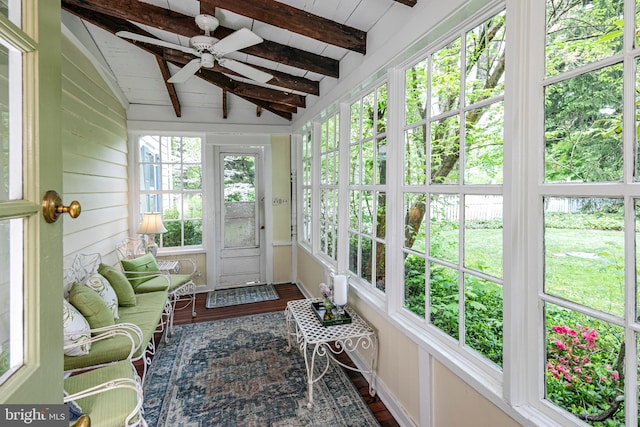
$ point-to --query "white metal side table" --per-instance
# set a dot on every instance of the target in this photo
(315, 340)
(168, 266)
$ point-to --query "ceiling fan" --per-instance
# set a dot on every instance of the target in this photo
(209, 50)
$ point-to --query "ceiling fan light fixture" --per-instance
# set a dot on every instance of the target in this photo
(207, 60)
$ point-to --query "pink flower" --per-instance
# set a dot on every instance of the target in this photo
(588, 379)
(559, 344)
(590, 335)
(615, 375)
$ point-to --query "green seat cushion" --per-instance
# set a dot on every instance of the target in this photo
(135, 268)
(120, 284)
(109, 408)
(146, 315)
(160, 283)
(91, 305)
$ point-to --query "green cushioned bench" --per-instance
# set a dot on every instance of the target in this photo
(132, 334)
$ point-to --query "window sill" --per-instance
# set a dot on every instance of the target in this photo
(193, 250)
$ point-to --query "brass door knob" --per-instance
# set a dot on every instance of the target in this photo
(52, 207)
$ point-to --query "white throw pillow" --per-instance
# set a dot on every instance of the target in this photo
(76, 329)
(101, 285)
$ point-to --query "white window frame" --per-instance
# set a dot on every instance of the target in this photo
(135, 192)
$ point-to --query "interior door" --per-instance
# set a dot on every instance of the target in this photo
(30, 164)
(241, 227)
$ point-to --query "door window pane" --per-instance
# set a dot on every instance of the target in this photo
(11, 297)
(239, 202)
(10, 125)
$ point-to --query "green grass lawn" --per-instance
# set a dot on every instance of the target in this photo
(586, 266)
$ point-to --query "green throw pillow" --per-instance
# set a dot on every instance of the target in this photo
(120, 284)
(91, 305)
(134, 267)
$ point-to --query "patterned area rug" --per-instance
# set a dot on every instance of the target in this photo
(236, 372)
(237, 296)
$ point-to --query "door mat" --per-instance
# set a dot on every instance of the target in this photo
(237, 296)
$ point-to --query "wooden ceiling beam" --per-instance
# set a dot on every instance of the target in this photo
(184, 25)
(164, 69)
(298, 21)
(224, 104)
(409, 3)
(114, 24)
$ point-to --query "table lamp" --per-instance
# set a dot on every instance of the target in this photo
(151, 225)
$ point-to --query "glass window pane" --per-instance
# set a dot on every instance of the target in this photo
(485, 55)
(445, 150)
(581, 115)
(484, 145)
(381, 171)
(443, 299)
(415, 207)
(444, 226)
(416, 83)
(11, 126)
(354, 165)
(191, 150)
(354, 256)
(483, 234)
(355, 121)
(381, 216)
(354, 210)
(11, 297)
(382, 109)
(366, 259)
(584, 373)
(415, 156)
(366, 213)
(414, 284)
(380, 266)
(483, 317)
(368, 115)
(367, 162)
(445, 79)
(582, 32)
(584, 251)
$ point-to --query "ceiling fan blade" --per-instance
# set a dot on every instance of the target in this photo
(236, 41)
(185, 72)
(245, 70)
(157, 42)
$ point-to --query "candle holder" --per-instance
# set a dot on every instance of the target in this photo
(340, 312)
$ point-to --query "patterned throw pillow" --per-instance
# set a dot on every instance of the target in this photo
(101, 285)
(76, 329)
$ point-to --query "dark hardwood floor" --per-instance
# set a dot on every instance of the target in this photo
(287, 293)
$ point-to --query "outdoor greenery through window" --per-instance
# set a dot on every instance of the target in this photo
(170, 170)
(453, 162)
(585, 231)
(367, 187)
(329, 168)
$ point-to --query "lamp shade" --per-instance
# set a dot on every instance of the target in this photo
(151, 224)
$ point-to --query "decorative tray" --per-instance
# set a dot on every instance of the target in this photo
(320, 312)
